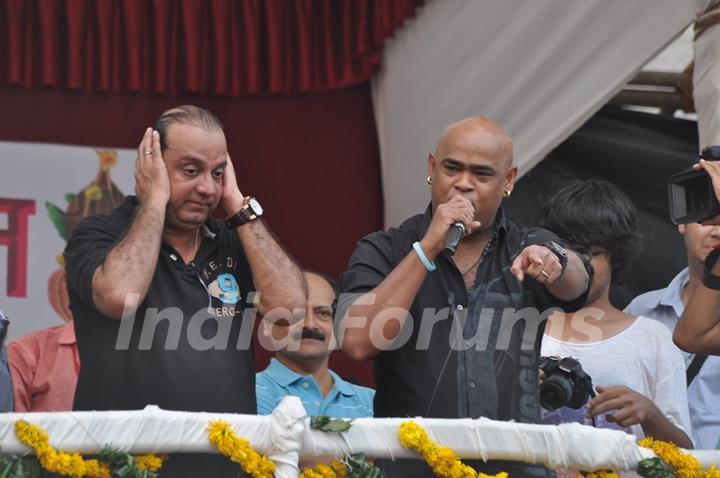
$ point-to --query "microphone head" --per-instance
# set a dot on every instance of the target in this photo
(454, 235)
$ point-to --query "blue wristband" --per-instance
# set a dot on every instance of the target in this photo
(429, 265)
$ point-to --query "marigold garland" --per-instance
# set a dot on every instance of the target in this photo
(685, 465)
(149, 462)
(600, 474)
(443, 460)
(334, 469)
(239, 450)
(67, 464)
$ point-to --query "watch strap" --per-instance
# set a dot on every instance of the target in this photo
(243, 216)
(559, 252)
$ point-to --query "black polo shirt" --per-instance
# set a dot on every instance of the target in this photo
(492, 370)
(194, 360)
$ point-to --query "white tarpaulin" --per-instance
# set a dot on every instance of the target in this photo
(540, 69)
(44, 191)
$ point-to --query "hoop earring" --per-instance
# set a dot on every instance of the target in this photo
(428, 179)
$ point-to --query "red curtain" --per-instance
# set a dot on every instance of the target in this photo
(224, 47)
(311, 158)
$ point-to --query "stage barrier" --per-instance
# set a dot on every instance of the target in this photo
(286, 436)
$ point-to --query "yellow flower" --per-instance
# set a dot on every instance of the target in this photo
(239, 450)
(149, 462)
(67, 464)
(601, 474)
(443, 460)
(713, 472)
(685, 465)
(334, 469)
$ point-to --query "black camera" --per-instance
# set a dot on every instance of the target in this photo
(566, 384)
(691, 194)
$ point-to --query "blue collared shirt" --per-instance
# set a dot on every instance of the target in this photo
(344, 400)
(666, 305)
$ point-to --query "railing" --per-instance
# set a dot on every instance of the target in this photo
(286, 436)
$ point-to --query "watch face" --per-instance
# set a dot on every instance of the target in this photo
(255, 206)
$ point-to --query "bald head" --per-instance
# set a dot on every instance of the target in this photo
(477, 133)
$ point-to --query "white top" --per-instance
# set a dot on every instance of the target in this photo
(642, 357)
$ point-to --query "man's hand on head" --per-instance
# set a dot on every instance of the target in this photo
(538, 262)
(152, 183)
(232, 198)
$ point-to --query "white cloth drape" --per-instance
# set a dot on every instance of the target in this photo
(539, 68)
(286, 435)
(706, 86)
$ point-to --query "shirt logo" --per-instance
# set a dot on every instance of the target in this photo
(225, 288)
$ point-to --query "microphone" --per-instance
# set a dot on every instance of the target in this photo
(454, 235)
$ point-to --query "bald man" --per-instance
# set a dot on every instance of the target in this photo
(457, 335)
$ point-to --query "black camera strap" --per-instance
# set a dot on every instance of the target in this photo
(694, 367)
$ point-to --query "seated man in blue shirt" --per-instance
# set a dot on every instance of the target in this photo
(300, 366)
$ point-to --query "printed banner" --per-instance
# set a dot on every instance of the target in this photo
(45, 191)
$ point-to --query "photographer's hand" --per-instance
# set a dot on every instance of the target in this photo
(698, 330)
(633, 408)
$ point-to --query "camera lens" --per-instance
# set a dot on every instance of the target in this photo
(555, 392)
(696, 194)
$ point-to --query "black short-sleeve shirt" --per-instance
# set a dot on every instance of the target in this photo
(492, 369)
(184, 349)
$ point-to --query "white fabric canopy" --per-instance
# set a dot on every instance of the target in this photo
(540, 69)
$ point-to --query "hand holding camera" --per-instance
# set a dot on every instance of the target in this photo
(564, 383)
(694, 193)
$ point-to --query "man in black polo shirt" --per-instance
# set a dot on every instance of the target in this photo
(180, 281)
(481, 360)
